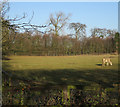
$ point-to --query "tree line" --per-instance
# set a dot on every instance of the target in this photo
(53, 45)
(51, 42)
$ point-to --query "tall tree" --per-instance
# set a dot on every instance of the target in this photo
(99, 32)
(102, 32)
(58, 22)
(80, 29)
(117, 40)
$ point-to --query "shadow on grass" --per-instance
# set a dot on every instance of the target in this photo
(99, 64)
(5, 58)
(80, 78)
(60, 86)
(63, 77)
(39, 86)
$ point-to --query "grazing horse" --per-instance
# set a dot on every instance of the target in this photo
(106, 61)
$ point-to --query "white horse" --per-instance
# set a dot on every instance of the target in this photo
(106, 61)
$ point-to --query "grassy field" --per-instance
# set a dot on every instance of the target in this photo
(34, 77)
(83, 62)
(63, 69)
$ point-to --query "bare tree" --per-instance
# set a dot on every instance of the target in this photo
(102, 32)
(10, 27)
(80, 29)
(58, 22)
(4, 8)
(98, 32)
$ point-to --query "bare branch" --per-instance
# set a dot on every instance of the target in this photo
(80, 29)
(17, 19)
(58, 22)
(31, 18)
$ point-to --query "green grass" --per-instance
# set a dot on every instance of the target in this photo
(82, 62)
(83, 70)
(39, 75)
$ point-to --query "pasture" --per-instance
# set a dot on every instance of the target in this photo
(84, 72)
(63, 69)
